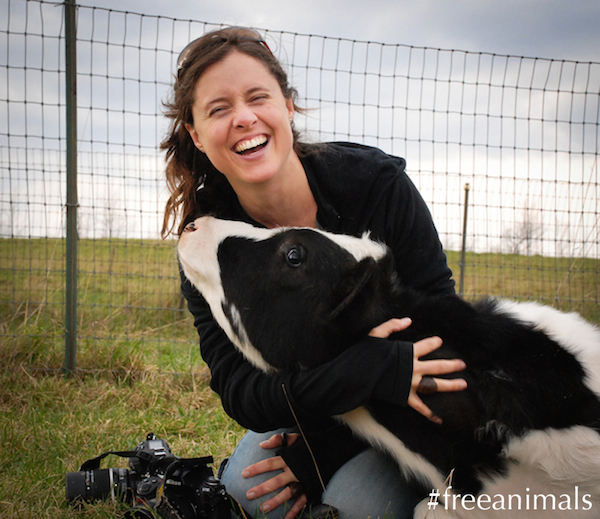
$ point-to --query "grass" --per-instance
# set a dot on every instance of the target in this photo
(129, 304)
(49, 425)
(569, 284)
(139, 369)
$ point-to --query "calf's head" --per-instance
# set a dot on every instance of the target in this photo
(287, 298)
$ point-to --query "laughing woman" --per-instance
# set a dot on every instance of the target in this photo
(233, 152)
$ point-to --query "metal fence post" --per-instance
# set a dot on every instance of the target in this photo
(71, 242)
(461, 288)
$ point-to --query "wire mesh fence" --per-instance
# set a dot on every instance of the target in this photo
(523, 133)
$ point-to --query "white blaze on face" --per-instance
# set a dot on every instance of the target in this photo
(198, 252)
(198, 256)
(360, 248)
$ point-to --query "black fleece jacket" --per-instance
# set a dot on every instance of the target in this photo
(357, 189)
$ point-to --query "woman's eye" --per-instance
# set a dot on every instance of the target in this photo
(294, 257)
(216, 111)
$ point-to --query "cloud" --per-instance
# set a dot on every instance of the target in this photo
(537, 28)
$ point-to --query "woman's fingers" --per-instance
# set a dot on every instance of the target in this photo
(423, 381)
(426, 346)
(273, 484)
(384, 330)
(286, 494)
(434, 366)
(277, 440)
(417, 404)
(448, 385)
(438, 367)
(297, 508)
(284, 481)
(268, 465)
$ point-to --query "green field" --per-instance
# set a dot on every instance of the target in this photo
(139, 369)
(130, 313)
(569, 284)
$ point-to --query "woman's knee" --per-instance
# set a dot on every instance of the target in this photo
(369, 485)
(247, 453)
(372, 485)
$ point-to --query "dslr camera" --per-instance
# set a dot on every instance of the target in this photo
(157, 484)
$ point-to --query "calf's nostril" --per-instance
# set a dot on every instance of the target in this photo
(190, 227)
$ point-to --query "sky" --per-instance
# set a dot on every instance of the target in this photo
(555, 29)
(415, 116)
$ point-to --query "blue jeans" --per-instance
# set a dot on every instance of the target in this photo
(368, 486)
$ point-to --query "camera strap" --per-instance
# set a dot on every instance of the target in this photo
(94, 463)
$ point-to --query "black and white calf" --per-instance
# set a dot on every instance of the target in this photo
(522, 441)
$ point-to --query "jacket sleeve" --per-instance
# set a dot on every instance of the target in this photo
(371, 368)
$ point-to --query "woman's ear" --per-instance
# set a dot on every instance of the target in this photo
(289, 103)
(194, 135)
(362, 297)
(351, 288)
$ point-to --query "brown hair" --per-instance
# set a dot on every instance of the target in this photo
(195, 185)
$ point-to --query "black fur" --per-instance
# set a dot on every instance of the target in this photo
(304, 312)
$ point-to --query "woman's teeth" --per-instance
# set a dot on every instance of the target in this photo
(250, 144)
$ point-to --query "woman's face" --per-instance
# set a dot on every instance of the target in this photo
(242, 121)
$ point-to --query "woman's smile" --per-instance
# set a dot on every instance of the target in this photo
(249, 146)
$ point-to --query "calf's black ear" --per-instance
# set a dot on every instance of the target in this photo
(358, 298)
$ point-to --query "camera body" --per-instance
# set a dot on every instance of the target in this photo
(157, 483)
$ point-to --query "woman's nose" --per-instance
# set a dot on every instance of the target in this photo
(244, 117)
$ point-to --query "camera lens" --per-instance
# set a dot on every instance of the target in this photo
(97, 484)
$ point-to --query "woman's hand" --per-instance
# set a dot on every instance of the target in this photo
(422, 379)
(286, 481)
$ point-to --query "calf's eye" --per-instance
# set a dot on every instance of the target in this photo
(294, 257)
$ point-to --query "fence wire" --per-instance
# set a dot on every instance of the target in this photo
(523, 133)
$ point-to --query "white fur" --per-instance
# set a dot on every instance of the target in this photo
(559, 465)
(570, 330)
(243, 343)
(360, 248)
(555, 469)
(198, 257)
(413, 465)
